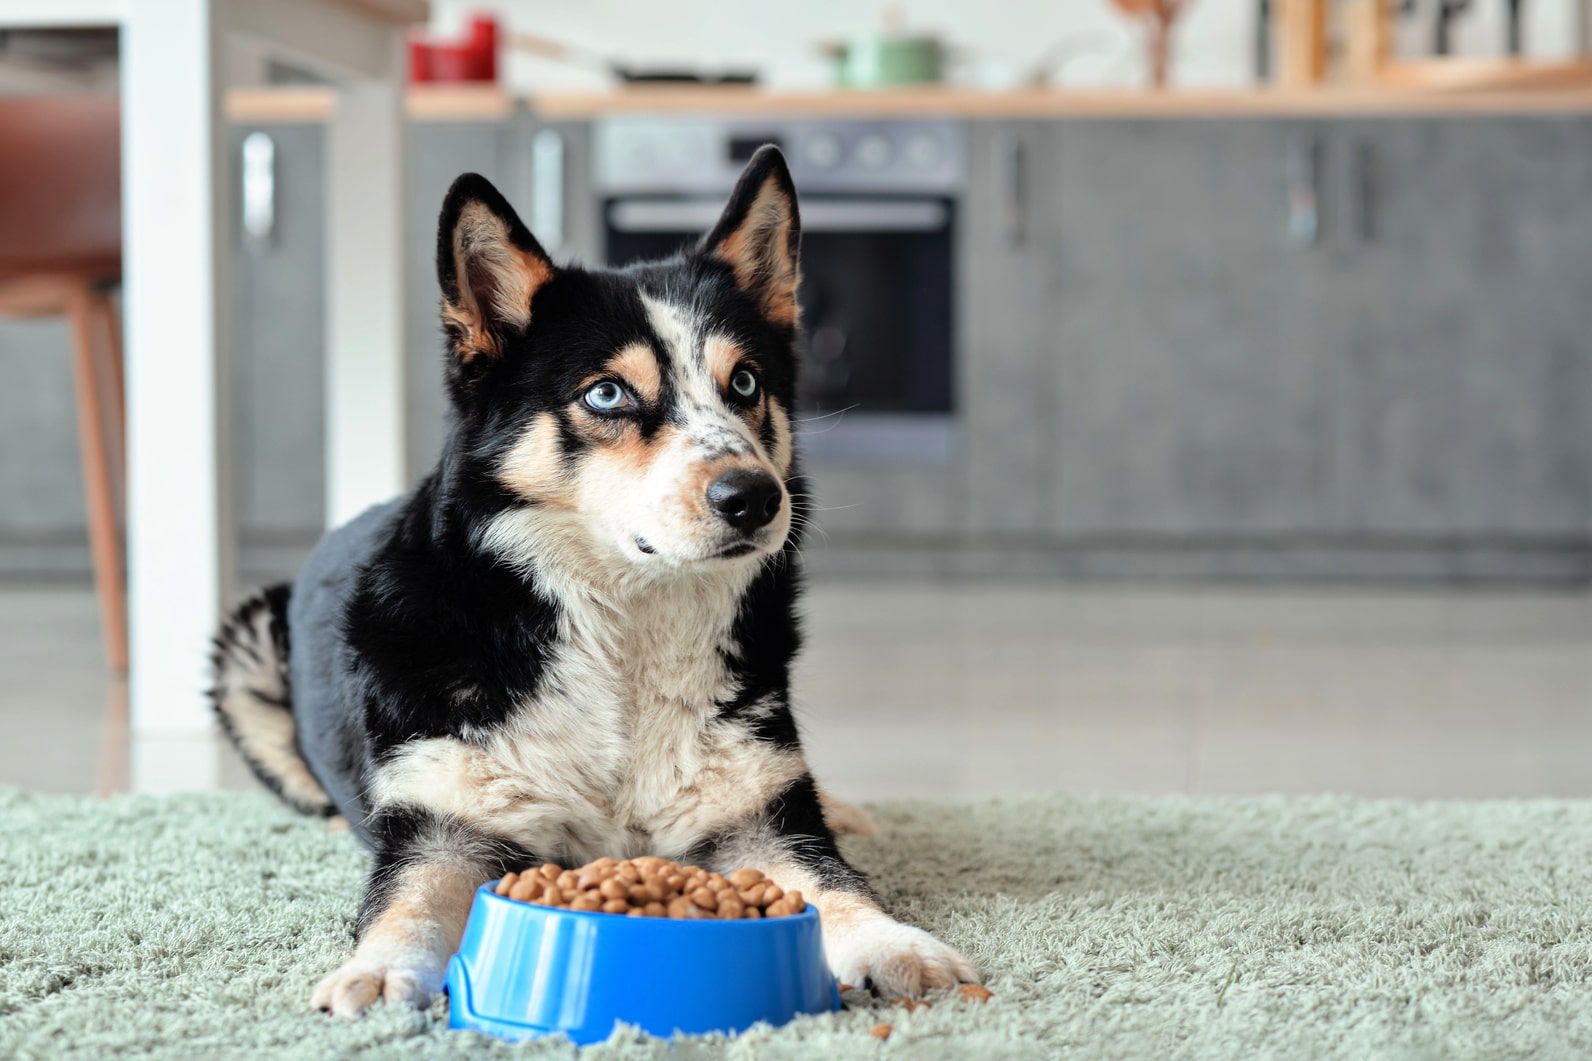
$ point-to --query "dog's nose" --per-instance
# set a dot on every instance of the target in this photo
(746, 500)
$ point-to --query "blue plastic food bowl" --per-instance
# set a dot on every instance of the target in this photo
(525, 970)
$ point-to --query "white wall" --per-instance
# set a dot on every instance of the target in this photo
(1000, 40)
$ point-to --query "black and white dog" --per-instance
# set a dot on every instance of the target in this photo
(574, 639)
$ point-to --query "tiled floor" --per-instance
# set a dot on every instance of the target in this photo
(966, 690)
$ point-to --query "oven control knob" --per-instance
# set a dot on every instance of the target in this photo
(922, 152)
(873, 152)
(823, 150)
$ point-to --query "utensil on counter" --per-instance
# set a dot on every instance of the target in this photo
(1156, 19)
(547, 48)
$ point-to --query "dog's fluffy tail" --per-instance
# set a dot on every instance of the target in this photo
(253, 699)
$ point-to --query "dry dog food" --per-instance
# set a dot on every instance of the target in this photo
(653, 887)
(880, 1031)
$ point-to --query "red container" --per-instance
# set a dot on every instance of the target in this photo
(472, 57)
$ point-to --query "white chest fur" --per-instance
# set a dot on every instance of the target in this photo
(621, 751)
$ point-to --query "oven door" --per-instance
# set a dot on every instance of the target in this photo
(876, 309)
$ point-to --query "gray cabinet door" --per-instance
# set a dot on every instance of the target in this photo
(1181, 363)
(278, 336)
(1462, 327)
(1003, 236)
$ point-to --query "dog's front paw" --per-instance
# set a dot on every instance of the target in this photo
(894, 959)
(358, 985)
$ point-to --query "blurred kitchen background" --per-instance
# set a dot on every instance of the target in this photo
(1198, 395)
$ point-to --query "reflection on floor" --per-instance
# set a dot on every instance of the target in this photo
(966, 690)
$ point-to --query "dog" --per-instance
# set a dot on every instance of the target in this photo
(574, 638)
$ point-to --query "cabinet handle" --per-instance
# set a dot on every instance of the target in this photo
(1304, 191)
(259, 187)
(1012, 154)
(1365, 189)
(547, 188)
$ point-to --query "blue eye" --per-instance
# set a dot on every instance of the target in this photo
(607, 396)
(744, 383)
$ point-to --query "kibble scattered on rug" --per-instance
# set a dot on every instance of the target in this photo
(1224, 928)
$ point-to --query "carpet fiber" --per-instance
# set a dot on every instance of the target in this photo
(1221, 928)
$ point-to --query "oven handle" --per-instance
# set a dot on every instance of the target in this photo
(820, 215)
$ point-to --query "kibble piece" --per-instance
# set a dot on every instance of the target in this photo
(706, 898)
(506, 883)
(754, 912)
(730, 907)
(526, 888)
(591, 902)
(976, 993)
(615, 906)
(614, 888)
(773, 893)
(745, 878)
(880, 1031)
(678, 906)
(550, 871)
(846, 987)
(655, 910)
(797, 903)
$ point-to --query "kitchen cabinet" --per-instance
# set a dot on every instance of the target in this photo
(278, 328)
(1169, 361)
(1182, 357)
(1004, 403)
(1461, 334)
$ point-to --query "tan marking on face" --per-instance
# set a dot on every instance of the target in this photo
(758, 252)
(534, 468)
(488, 266)
(637, 364)
(722, 357)
(784, 451)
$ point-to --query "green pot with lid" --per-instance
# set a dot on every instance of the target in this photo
(888, 60)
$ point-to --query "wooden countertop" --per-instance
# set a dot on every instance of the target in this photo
(489, 103)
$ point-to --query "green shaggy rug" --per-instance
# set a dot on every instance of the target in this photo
(1220, 928)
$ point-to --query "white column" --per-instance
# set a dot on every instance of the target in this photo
(179, 527)
(365, 312)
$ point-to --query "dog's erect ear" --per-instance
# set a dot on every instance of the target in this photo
(489, 266)
(760, 234)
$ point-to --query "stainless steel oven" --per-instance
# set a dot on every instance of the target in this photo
(879, 210)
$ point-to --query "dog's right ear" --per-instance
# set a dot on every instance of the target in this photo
(489, 266)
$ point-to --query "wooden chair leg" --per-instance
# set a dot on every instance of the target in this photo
(108, 361)
(104, 542)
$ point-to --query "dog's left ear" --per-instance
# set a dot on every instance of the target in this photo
(759, 236)
(489, 267)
